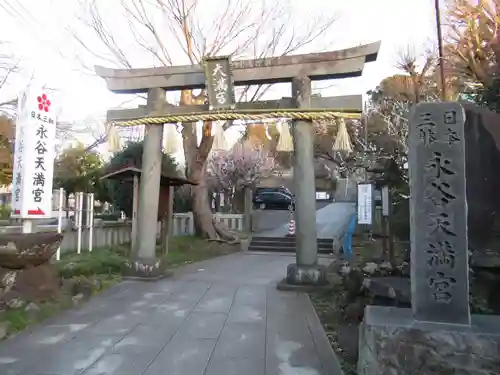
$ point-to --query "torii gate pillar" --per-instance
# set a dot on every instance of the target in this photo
(305, 271)
(144, 262)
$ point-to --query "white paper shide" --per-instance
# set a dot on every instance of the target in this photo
(34, 155)
(365, 203)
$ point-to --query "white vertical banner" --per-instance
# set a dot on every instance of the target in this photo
(365, 203)
(34, 155)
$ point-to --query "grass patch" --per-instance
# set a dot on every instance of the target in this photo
(189, 249)
(182, 250)
(19, 319)
(97, 262)
(14, 320)
(332, 319)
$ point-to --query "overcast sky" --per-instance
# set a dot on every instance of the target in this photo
(37, 32)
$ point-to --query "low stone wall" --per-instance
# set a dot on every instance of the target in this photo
(106, 234)
(183, 224)
(111, 234)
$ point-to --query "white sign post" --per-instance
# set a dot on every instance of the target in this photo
(365, 203)
(90, 218)
(60, 219)
(34, 155)
(385, 201)
(78, 220)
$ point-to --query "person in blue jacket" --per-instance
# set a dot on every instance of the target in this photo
(348, 236)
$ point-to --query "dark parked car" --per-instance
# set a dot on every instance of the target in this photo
(280, 189)
(274, 200)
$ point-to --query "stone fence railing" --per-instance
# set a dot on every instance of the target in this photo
(183, 224)
(117, 233)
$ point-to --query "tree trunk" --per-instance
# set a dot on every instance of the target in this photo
(238, 201)
(202, 212)
(248, 207)
(196, 158)
(66, 203)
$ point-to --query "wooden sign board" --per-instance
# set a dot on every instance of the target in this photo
(219, 83)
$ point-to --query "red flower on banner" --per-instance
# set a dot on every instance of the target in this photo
(43, 103)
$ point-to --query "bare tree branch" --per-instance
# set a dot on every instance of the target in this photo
(8, 66)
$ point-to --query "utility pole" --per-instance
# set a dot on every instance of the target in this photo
(365, 126)
(440, 49)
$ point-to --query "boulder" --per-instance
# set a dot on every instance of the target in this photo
(81, 285)
(33, 311)
(389, 290)
(32, 284)
(370, 268)
(353, 281)
(482, 142)
(4, 329)
(354, 311)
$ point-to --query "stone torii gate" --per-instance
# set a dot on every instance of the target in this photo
(297, 69)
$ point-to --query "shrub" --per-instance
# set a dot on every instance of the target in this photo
(5, 211)
(113, 216)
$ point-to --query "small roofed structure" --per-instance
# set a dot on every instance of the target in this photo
(132, 174)
(129, 172)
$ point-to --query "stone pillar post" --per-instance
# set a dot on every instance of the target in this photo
(145, 264)
(306, 270)
(247, 222)
(135, 209)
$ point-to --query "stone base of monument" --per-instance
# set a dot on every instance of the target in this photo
(304, 278)
(146, 270)
(391, 342)
(26, 273)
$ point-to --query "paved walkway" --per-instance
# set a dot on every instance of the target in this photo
(219, 317)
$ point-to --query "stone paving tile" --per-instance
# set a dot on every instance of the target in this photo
(220, 317)
(119, 324)
(242, 340)
(235, 366)
(200, 325)
(12, 365)
(145, 337)
(183, 356)
(291, 357)
(218, 299)
(122, 364)
(251, 294)
(72, 358)
(241, 313)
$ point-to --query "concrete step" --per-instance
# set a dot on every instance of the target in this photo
(284, 249)
(286, 244)
(288, 239)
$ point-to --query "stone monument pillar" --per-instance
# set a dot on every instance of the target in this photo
(306, 270)
(436, 336)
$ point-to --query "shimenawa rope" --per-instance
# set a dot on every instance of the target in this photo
(294, 114)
